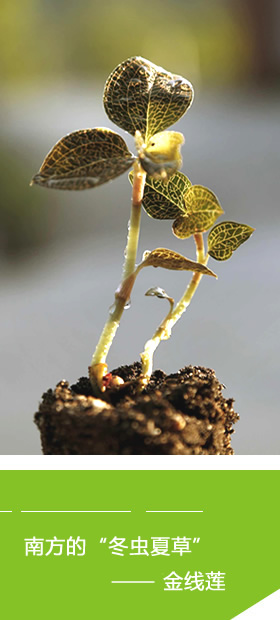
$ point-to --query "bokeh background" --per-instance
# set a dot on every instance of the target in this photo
(61, 252)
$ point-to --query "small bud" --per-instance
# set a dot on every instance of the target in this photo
(146, 254)
(116, 381)
(161, 157)
(165, 147)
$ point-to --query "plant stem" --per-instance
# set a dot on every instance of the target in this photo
(98, 367)
(200, 255)
(163, 332)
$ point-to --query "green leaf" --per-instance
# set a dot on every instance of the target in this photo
(226, 237)
(164, 200)
(168, 259)
(84, 159)
(162, 157)
(202, 208)
(139, 95)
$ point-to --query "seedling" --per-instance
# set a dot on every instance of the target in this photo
(144, 100)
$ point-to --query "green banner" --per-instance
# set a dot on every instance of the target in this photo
(137, 544)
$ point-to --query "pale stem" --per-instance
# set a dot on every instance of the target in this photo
(163, 332)
(98, 367)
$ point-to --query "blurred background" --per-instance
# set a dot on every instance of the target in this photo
(61, 252)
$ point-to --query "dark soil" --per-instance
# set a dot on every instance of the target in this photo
(182, 413)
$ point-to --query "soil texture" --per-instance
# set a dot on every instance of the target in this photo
(181, 413)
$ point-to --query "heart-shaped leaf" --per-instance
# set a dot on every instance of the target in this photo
(226, 237)
(84, 159)
(202, 208)
(161, 158)
(164, 200)
(168, 259)
(141, 96)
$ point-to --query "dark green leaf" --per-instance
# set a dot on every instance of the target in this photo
(202, 208)
(139, 95)
(168, 259)
(84, 159)
(164, 200)
(226, 237)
